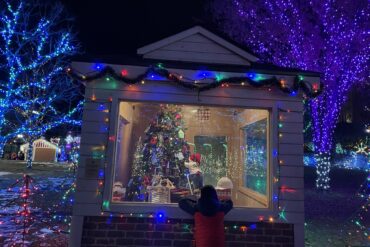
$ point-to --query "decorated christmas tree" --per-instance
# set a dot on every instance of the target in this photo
(164, 147)
(135, 185)
(138, 160)
(161, 154)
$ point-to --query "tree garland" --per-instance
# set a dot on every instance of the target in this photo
(310, 90)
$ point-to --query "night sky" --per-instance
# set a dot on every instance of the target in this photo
(117, 27)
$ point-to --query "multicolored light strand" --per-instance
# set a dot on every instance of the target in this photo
(362, 214)
(211, 81)
(23, 216)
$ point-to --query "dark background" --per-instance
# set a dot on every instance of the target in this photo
(121, 26)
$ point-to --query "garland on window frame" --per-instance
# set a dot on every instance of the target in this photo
(310, 90)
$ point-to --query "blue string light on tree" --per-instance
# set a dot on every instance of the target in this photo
(34, 84)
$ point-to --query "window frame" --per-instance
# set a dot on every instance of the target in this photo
(245, 190)
(172, 210)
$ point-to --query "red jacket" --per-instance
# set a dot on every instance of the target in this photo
(209, 230)
(209, 215)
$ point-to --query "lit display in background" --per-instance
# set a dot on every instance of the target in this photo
(255, 156)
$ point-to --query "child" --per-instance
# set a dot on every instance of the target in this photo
(209, 215)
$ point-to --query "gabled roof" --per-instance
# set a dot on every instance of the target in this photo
(197, 44)
(37, 143)
(129, 59)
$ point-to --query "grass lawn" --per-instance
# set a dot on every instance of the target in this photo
(51, 181)
(328, 215)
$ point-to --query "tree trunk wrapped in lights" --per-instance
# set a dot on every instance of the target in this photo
(2, 145)
(331, 38)
(30, 153)
(322, 170)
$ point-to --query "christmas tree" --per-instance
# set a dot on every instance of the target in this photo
(164, 148)
(162, 153)
(138, 160)
(135, 184)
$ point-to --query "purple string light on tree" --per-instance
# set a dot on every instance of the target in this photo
(330, 37)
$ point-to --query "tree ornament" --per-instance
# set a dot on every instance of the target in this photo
(160, 139)
(179, 155)
(196, 157)
(154, 159)
(146, 180)
(154, 140)
(181, 134)
(185, 149)
(166, 139)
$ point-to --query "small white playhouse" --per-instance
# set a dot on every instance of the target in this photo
(43, 151)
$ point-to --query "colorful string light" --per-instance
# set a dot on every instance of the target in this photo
(23, 217)
(211, 80)
(362, 214)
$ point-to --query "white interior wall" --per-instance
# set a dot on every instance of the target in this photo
(124, 142)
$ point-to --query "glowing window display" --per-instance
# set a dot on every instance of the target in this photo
(166, 151)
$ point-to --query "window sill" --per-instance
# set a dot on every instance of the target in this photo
(254, 195)
(173, 211)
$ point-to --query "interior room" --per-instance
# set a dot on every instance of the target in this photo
(165, 152)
